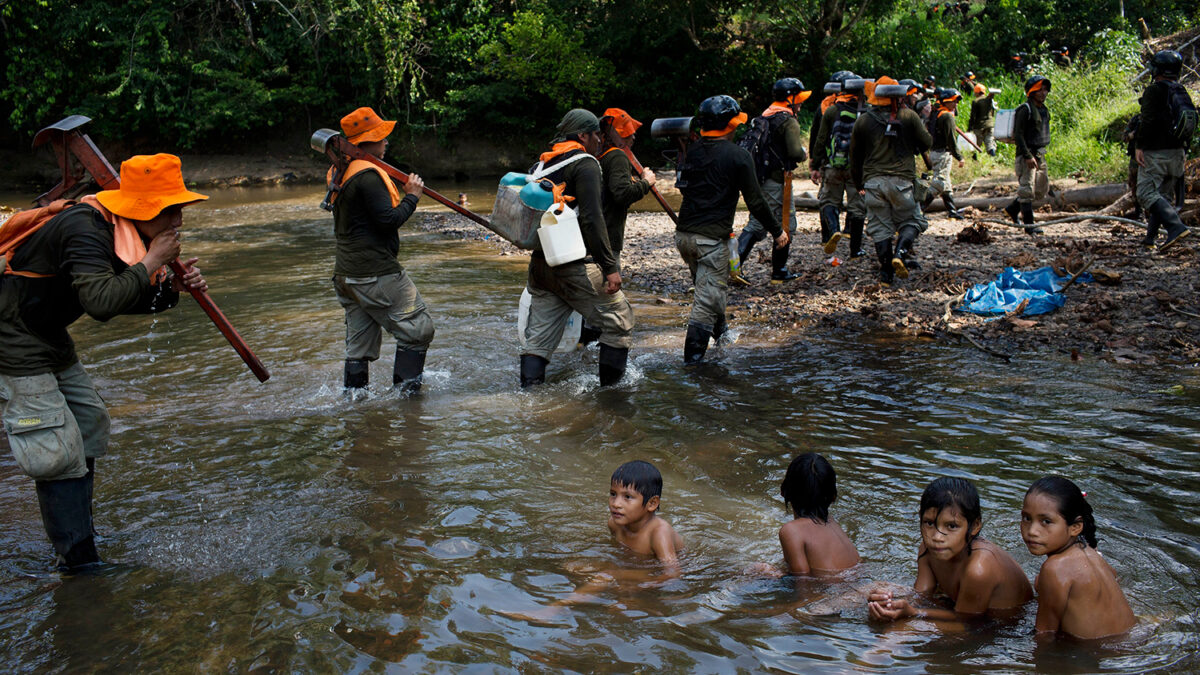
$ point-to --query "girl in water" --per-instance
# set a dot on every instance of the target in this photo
(978, 577)
(813, 542)
(1077, 591)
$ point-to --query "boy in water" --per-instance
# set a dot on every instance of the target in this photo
(633, 500)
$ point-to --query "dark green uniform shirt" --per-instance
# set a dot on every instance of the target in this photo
(583, 181)
(366, 227)
(76, 247)
(715, 173)
(1154, 132)
(819, 156)
(1031, 129)
(945, 136)
(621, 190)
(983, 113)
(791, 145)
(874, 153)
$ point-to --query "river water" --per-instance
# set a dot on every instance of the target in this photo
(281, 527)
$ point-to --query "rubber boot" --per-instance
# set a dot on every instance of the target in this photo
(883, 249)
(1014, 210)
(533, 370)
(1152, 225)
(1027, 216)
(830, 233)
(951, 208)
(746, 242)
(1165, 214)
(67, 516)
(779, 271)
(719, 329)
(588, 335)
(855, 225)
(408, 372)
(612, 364)
(356, 374)
(906, 252)
(90, 478)
(695, 343)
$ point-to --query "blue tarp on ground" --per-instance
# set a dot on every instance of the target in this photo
(1001, 296)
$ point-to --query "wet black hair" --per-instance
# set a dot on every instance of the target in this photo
(959, 493)
(810, 486)
(641, 476)
(1071, 503)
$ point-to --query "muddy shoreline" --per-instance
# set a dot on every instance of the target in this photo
(1148, 311)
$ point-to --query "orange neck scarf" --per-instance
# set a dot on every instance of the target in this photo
(775, 109)
(560, 148)
(127, 241)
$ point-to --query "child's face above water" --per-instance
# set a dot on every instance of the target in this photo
(1043, 527)
(946, 533)
(625, 504)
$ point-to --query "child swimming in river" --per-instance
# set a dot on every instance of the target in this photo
(976, 575)
(813, 542)
(1077, 590)
(633, 498)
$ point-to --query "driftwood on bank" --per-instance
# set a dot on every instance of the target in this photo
(1097, 195)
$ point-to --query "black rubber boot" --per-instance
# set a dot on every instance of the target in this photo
(588, 335)
(612, 364)
(1152, 225)
(855, 225)
(696, 342)
(951, 208)
(830, 233)
(1014, 211)
(746, 243)
(1027, 216)
(356, 373)
(719, 328)
(906, 252)
(533, 370)
(67, 516)
(407, 373)
(1165, 214)
(90, 478)
(779, 271)
(883, 249)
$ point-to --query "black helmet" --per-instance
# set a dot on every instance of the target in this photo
(947, 94)
(910, 84)
(970, 75)
(1168, 63)
(930, 79)
(842, 76)
(1032, 83)
(786, 88)
(716, 112)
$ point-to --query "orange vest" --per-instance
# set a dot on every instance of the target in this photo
(358, 166)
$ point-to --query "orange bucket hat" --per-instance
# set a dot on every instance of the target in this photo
(149, 184)
(365, 126)
(621, 121)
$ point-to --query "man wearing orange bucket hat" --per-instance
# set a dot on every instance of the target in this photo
(103, 256)
(373, 289)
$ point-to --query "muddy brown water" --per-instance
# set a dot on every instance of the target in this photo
(279, 526)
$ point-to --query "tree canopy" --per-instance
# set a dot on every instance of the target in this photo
(218, 74)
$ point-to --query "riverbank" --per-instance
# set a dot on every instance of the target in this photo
(1147, 309)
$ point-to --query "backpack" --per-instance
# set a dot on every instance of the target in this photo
(760, 143)
(21, 226)
(1183, 113)
(839, 137)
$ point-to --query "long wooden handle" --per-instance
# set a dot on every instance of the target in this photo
(787, 201)
(218, 318)
(968, 140)
(620, 143)
(354, 152)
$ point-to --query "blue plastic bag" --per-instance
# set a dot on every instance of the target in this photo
(1012, 286)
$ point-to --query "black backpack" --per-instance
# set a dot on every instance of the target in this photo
(760, 143)
(1183, 113)
(840, 133)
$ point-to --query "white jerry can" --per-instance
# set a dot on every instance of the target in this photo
(1004, 125)
(963, 145)
(562, 241)
(570, 337)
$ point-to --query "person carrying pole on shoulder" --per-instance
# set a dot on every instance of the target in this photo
(887, 138)
(983, 117)
(103, 256)
(784, 149)
(829, 166)
(590, 286)
(944, 130)
(712, 177)
(1031, 132)
(372, 287)
(1163, 137)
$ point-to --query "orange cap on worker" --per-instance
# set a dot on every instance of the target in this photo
(149, 184)
(366, 126)
(621, 121)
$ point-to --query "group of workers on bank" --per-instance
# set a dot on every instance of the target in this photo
(105, 255)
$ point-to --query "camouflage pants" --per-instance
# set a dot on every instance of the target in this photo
(940, 183)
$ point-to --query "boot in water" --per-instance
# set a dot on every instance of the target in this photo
(695, 344)
(588, 335)
(612, 364)
(408, 372)
(67, 517)
(356, 376)
(533, 370)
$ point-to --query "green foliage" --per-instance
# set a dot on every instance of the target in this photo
(1114, 49)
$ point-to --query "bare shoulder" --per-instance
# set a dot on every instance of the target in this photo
(660, 527)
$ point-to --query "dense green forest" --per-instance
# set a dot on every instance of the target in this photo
(219, 75)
